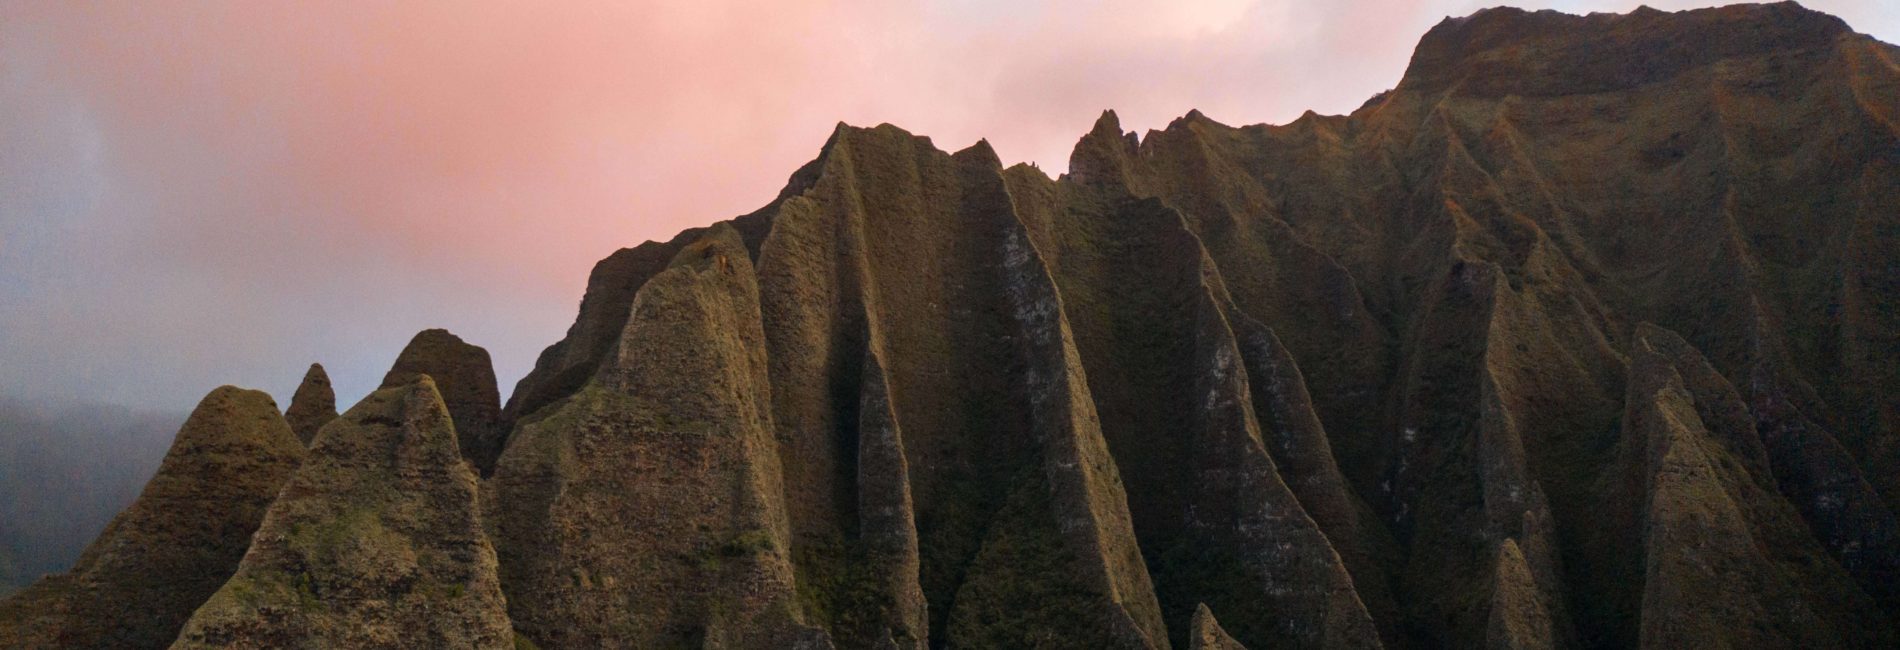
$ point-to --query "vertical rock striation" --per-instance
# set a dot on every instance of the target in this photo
(1579, 337)
(645, 510)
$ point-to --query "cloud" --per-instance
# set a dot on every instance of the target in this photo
(201, 193)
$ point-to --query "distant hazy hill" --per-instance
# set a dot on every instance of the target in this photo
(64, 472)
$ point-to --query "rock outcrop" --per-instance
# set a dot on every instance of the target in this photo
(1717, 547)
(376, 542)
(1582, 336)
(312, 406)
(1204, 633)
(645, 509)
(466, 378)
(136, 585)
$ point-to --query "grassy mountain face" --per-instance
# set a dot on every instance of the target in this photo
(1583, 336)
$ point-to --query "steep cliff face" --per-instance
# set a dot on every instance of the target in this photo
(645, 510)
(1582, 336)
(1718, 547)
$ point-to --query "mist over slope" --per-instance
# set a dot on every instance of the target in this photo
(64, 472)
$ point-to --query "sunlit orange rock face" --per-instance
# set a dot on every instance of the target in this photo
(1587, 334)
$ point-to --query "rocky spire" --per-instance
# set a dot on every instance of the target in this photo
(1207, 634)
(1714, 540)
(313, 406)
(646, 510)
(376, 542)
(1361, 380)
(466, 379)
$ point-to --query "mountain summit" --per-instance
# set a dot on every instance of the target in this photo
(1582, 336)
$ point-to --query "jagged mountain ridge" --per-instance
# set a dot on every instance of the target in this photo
(1581, 336)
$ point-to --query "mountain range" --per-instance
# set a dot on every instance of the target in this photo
(1585, 335)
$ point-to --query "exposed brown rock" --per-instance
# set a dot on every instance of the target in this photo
(567, 365)
(1206, 633)
(1076, 525)
(896, 613)
(1430, 308)
(1303, 454)
(466, 378)
(1519, 618)
(375, 542)
(1718, 548)
(675, 435)
(313, 405)
(1208, 502)
(865, 267)
(135, 586)
(1378, 379)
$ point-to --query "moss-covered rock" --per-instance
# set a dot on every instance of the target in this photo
(644, 510)
(466, 379)
(375, 542)
(312, 406)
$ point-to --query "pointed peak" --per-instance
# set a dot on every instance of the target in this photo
(1663, 341)
(982, 153)
(845, 137)
(1182, 122)
(438, 352)
(392, 463)
(426, 350)
(414, 404)
(719, 247)
(232, 416)
(840, 136)
(1192, 118)
(1205, 633)
(1518, 617)
(1100, 157)
(231, 394)
(230, 411)
(436, 334)
(422, 403)
(1647, 331)
(312, 406)
(464, 376)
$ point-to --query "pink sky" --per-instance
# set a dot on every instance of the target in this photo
(202, 193)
